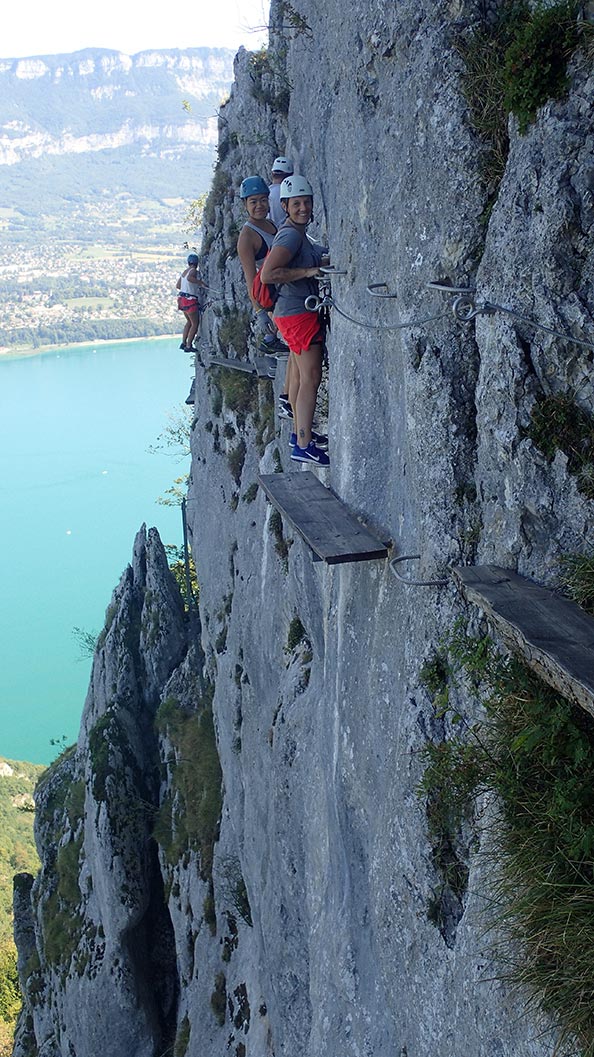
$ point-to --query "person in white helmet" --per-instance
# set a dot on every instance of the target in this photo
(293, 264)
(281, 168)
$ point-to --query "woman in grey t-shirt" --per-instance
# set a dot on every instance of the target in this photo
(293, 264)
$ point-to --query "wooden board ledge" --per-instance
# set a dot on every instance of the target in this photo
(321, 519)
(555, 636)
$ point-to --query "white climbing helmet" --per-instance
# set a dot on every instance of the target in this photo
(293, 186)
(283, 164)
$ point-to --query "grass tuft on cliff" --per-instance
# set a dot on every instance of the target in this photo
(535, 752)
(514, 66)
(577, 577)
(190, 814)
(535, 70)
(558, 423)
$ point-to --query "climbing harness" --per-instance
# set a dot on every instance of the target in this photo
(322, 300)
(465, 308)
(414, 583)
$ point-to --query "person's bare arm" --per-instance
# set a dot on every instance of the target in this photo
(275, 270)
(246, 251)
(193, 277)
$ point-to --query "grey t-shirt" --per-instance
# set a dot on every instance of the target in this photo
(305, 254)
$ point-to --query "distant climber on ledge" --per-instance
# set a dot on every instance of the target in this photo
(190, 301)
(293, 264)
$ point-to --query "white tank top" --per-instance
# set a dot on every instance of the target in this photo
(187, 287)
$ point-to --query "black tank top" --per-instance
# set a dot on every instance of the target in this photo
(264, 237)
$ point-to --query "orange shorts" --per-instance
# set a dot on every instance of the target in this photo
(301, 331)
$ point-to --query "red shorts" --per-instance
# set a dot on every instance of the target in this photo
(187, 304)
(301, 331)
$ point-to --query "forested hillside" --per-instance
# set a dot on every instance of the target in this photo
(17, 854)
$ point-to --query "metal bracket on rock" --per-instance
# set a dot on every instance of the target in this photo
(414, 583)
(315, 303)
(464, 305)
(373, 287)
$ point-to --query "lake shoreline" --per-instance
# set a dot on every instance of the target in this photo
(22, 352)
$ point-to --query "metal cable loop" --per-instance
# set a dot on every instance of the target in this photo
(315, 303)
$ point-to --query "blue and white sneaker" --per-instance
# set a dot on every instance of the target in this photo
(319, 439)
(310, 454)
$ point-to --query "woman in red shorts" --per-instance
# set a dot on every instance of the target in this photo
(190, 301)
(292, 265)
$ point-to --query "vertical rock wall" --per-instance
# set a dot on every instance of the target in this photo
(427, 429)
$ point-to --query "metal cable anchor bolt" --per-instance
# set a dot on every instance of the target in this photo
(414, 583)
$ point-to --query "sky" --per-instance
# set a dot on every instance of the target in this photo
(50, 27)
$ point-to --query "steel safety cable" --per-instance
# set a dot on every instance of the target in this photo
(489, 305)
(465, 309)
(330, 302)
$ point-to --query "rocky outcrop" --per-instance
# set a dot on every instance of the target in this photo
(103, 963)
(299, 883)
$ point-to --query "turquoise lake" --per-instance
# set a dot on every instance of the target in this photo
(77, 480)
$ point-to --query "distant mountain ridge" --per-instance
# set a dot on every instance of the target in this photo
(122, 112)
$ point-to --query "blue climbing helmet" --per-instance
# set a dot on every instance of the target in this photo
(294, 187)
(192, 258)
(253, 185)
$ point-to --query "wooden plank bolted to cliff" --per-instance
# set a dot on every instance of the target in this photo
(245, 366)
(321, 519)
(555, 636)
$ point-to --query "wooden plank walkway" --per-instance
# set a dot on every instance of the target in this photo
(555, 635)
(321, 519)
(232, 365)
(264, 369)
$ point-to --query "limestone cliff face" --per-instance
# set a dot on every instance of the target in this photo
(282, 902)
